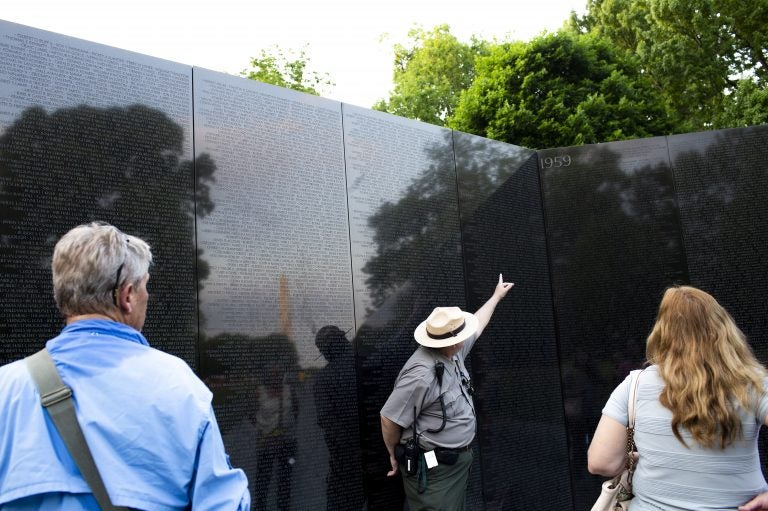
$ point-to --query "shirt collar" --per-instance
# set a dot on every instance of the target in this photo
(107, 327)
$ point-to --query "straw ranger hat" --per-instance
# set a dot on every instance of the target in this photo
(446, 326)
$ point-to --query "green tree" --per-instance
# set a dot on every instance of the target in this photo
(694, 51)
(559, 90)
(430, 73)
(746, 106)
(287, 69)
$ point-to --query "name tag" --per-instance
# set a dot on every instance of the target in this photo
(431, 459)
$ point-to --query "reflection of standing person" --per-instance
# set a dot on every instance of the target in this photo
(431, 404)
(579, 377)
(147, 419)
(337, 414)
(698, 412)
(276, 410)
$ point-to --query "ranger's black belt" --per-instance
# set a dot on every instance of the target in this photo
(449, 456)
(454, 449)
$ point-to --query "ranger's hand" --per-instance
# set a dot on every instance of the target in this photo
(502, 288)
(394, 464)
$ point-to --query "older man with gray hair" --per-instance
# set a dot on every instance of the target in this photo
(146, 418)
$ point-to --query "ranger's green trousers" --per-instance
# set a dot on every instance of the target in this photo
(446, 486)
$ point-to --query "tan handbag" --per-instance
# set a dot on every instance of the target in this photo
(616, 493)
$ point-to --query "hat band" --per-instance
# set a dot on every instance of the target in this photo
(452, 333)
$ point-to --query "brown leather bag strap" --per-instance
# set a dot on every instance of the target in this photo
(634, 382)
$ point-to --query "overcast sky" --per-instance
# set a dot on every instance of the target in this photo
(351, 40)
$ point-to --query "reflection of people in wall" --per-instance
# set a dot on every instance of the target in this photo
(337, 415)
(274, 416)
(579, 376)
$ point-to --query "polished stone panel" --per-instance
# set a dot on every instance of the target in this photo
(275, 244)
(313, 214)
(406, 260)
(89, 132)
(614, 245)
(721, 179)
(522, 434)
(722, 185)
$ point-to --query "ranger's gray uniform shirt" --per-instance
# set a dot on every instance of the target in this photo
(416, 385)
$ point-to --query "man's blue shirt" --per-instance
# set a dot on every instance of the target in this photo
(147, 418)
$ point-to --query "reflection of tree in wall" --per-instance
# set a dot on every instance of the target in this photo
(119, 165)
(408, 233)
(415, 232)
(485, 166)
(722, 187)
(417, 266)
(417, 253)
(614, 245)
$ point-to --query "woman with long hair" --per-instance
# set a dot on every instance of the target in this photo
(699, 407)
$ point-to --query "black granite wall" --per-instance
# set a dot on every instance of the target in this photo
(722, 182)
(625, 220)
(614, 245)
(522, 437)
(88, 132)
(273, 214)
(276, 242)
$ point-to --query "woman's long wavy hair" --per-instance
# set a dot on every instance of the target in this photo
(707, 366)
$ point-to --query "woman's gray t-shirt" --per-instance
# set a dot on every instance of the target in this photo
(673, 477)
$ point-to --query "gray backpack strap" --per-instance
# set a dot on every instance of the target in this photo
(57, 399)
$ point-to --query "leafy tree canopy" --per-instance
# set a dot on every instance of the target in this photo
(429, 74)
(694, 51)
(287, 69)
(559, 90)
(638, 68)
(746, 106)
